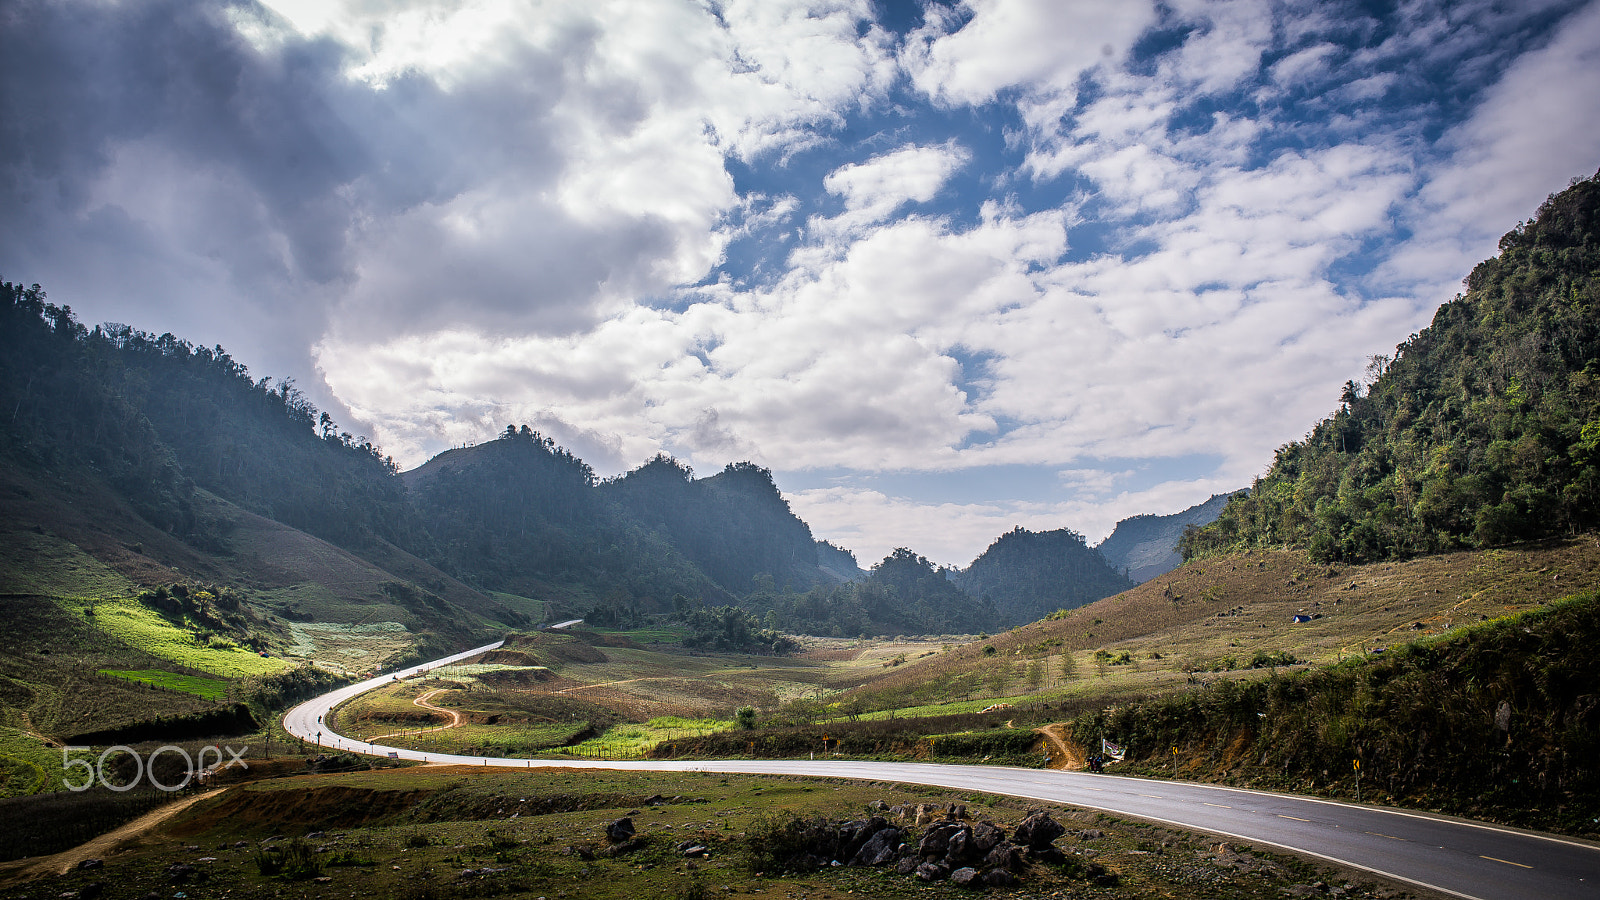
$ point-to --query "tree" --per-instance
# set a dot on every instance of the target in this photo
(1035, 675)
(1068, 667)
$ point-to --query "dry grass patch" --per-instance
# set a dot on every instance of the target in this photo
(1205, 614)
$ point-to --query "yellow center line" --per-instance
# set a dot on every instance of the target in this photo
(1506, 861)
(1389, 836)
(1219, 806)
(1296, 818)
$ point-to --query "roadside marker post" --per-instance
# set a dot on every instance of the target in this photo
(1357, 764)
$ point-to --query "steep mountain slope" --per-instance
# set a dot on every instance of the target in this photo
(76, 537)
(163, 463)
(157, 417)
(838, 562)
(521, 515)
(1483, 430)
(1146, 546)
(735, 525)
(1029, 574)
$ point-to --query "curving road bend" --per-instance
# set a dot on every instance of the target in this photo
(1453, 856)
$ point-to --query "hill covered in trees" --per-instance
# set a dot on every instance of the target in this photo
(1029, 574)
(903, 593)
(197, 467)
(205, 455)
(1484, 428)
(522, 515)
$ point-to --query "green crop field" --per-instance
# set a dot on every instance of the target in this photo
(350, 647)
(209, 688)
(26, 763)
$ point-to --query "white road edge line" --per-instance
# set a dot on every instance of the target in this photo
(1409, 814)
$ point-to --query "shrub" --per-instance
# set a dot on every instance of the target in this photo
(295, 861)
(788, 843)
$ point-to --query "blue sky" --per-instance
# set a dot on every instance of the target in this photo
(945, 268)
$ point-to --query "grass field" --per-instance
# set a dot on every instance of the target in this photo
(665, 634)
(32, 563)
(27, 764)
(1201, 624)
(209, 688)
(144, 629)
(413, 833)
(535, 610)
(632, 740)
(350, 647)
(1213, 619)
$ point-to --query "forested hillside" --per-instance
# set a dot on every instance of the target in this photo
(192, 443)
(1143, 547)
(1030, 574)
(522, 515)
(1484, 429)
(158, 417)
(735, 525)
(904, 593)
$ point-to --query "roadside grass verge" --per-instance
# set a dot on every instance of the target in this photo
(416, 834)
(1514, 694)
(511, 741)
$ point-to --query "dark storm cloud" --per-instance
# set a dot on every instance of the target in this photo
(84, 78)
(202, 168)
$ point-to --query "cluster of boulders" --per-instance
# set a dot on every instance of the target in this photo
(972, 854)
(980, 853)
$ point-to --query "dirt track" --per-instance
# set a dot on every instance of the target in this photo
(102, 846)
(455, 718)
(1064, 751)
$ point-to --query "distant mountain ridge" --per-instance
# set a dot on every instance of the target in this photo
(1147, 545)
(503, 531)
(522, 515)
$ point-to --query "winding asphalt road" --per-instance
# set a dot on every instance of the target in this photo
(1453, 856)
